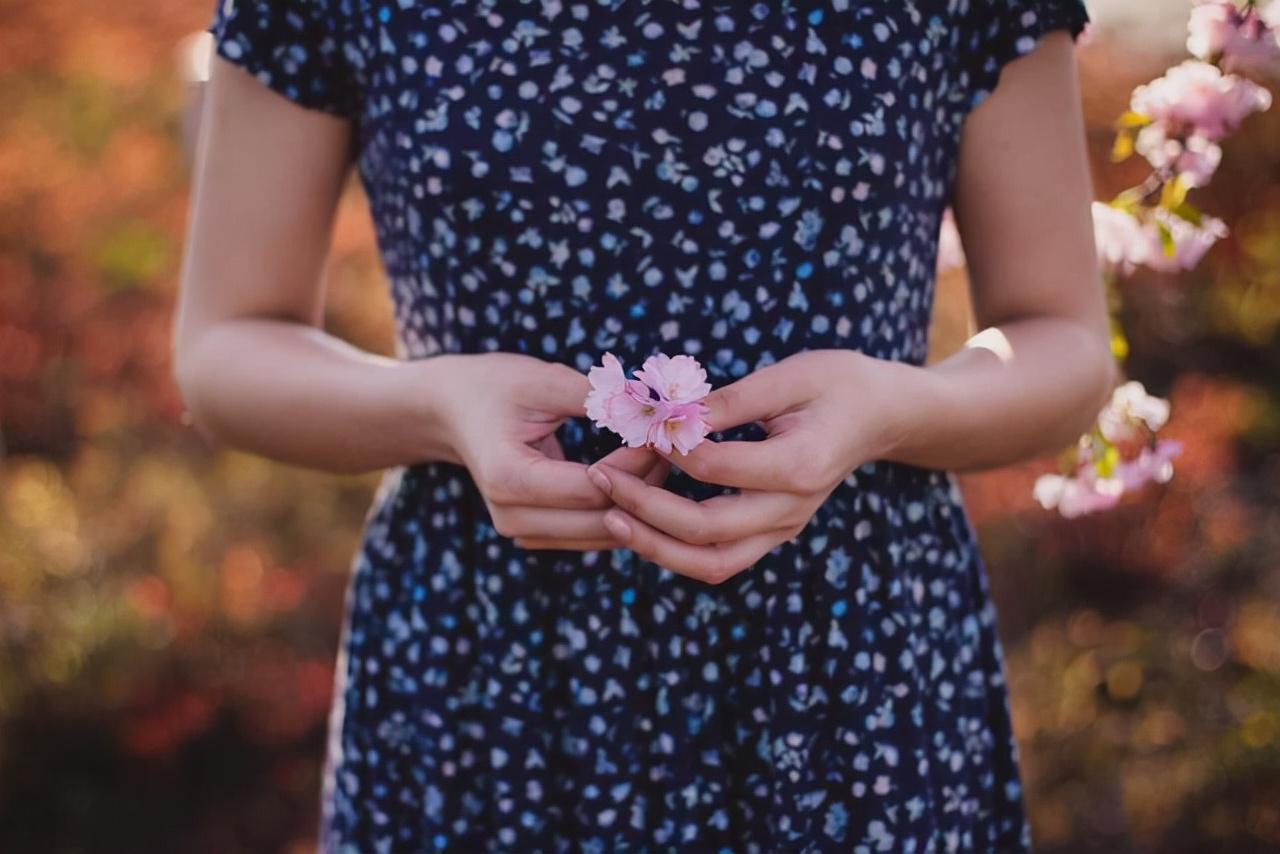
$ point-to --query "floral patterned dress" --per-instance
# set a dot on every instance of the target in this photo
(738, 181)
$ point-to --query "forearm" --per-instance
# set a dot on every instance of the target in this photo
(1015, 391)
(294, 393)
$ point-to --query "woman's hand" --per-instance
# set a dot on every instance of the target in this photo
(826, 412)
(1030, 381)
(498, 414)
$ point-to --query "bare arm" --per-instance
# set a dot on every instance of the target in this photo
(254, 368)
(1040, 369)
(1035, 376)
(1030, 382)
(257, 372)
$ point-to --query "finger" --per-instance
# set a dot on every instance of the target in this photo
(534, 543)
(758, 396)
(562, 390)
(550, 523)
(550, 447)
(525, 477)
(533, 479)
(784, 462)
(712, 564)
(643, 462)
(637, 461)
(719, 519)
(657, 474)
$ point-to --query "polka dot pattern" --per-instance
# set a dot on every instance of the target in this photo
(741, 182)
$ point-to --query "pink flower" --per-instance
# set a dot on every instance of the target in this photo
(1211, 28)
(619, 404)
(1120, 238)
(1130, 409)
(679, 379)
(1241, 40)
(1194, 158)
(662, 407)
(1125, 242)
(1270, 14)
(1195, 98)
(1076, 496)
(1086, 492)
(1190, 241)
(678, 425)
(1152, 465)
(606, 380)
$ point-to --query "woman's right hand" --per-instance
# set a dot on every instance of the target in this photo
(497, 415)
(258, 372)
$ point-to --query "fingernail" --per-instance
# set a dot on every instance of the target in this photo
(617, 527)
(600, 479)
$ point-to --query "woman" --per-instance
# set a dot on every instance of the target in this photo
(781, 641)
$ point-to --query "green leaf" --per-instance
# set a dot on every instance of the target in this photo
(1106, 461)
(1188, 212)
(1068, 459)
(1119, 341)
(1129, 200)
(133, 253)
(1166, 239)
(1174, 193)
(1129, 120)
(1122, 148)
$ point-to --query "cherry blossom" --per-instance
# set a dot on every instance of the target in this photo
(1188, 240)
(621, 405)
(1076, 496)
(662, 407)
(1086, 491)
(1120, 237)
(1162, 241)
(1152, 465)
(1238, 39)
(1176, 123)
(1129, 409)
(678, 425)
(679, 379)
(1194, 159)
(1195, 98)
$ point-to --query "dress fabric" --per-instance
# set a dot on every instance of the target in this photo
(732, 180)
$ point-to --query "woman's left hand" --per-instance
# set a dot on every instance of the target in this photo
(826, 413)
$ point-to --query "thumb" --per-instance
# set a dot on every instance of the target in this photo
(563, 390)
(758, 396)
(636, 461)
(550, 446)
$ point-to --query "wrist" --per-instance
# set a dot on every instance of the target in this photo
(911, 398)
(422, 387)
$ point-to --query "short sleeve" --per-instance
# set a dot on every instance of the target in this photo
(295, 47)
(996, 32)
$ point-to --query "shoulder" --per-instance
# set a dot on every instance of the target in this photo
(299, 48)
(989, 34)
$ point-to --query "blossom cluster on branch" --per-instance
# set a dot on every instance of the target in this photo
(1176, 123)
(1119, 454)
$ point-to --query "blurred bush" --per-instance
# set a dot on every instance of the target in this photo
(169, 612)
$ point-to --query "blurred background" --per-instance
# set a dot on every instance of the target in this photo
(169, 612)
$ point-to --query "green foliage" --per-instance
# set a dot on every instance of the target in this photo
(133, 253)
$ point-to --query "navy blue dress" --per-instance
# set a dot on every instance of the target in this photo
(738, 181)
